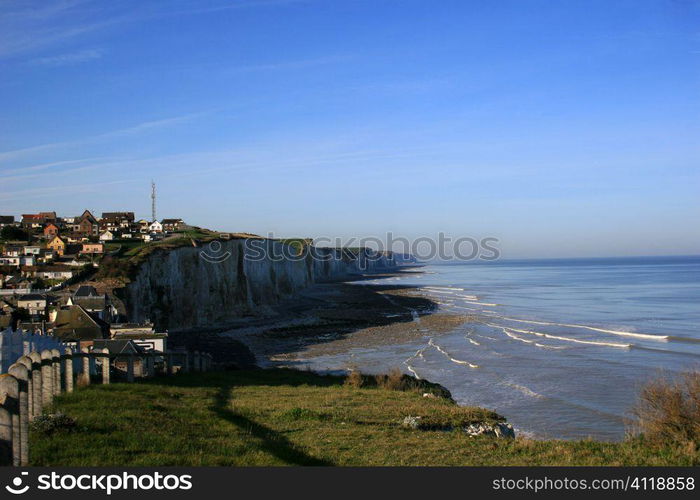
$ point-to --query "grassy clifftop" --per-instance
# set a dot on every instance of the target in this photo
(284, 417)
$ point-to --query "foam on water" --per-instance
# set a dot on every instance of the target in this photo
(647, 336)
(565, 339)
(447, 355)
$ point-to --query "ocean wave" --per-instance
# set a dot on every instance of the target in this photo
(440, 288)
(487, 337)
(623, 333)
(525, 390)
(447, 355)
(536, 344)
(413, 372)
(565, 339)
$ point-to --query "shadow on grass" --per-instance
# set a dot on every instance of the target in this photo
(240, 378)
(270, 441)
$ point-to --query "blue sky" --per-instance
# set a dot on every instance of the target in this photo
(561, 128)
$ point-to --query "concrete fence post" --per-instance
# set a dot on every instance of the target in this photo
(47, 373)
(105, 366)
(27, 362)
(68, 369)
(5, 430)
(129, 368)
(37, 384)
(86, 366)
(186, 362)
(169, 368)
(20, 372)
(9, 398)
(56, 361)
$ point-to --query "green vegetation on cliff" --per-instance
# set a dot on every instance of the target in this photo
(284, 417)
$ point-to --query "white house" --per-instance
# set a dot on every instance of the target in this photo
(155, 227)
(7, 260)
(107, 236)
(27, 260)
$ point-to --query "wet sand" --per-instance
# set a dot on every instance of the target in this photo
(325, 319)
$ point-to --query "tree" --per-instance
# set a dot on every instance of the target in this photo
(13, 233)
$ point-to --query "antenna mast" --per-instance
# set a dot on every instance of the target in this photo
(153, 201)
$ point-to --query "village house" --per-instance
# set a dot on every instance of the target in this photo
(46, 255)
(16, 282)
(34, 303)
(142, 226)
(92, 248)
(50, 230)
(142, 334)
(7, 260)
(57, 245)
(7, 220)
(117, 221)
(75, 238)
(27, 260)
(37, 221)
(50, 272)
(86, 224)
(74, 324)
(31, 249)
(93, 302)
(107, 235)
(127, 349)
(155, 227)
(13, 251)
(172, 225)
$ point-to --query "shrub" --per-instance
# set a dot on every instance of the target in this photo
(354, 379)
(52, 422)
(393, 381)
(668, 410)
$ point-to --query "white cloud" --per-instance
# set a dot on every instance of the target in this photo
(68, 59)
(136, 129)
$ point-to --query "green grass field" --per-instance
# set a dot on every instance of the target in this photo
(284, 417)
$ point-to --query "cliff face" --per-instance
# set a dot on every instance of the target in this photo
(188, 287)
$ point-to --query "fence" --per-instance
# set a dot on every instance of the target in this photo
(30, 384)
(14, 344)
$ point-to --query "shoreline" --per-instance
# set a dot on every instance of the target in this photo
(325, 319)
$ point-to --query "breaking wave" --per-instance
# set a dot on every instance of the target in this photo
(557, 337)
(447, 355)
(649, 336)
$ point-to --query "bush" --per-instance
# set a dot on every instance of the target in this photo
(668, 410)
(395, 380)
(52, 422)
(354, 379)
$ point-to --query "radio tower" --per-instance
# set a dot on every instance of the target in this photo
(153, 201)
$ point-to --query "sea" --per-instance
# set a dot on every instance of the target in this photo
(561, 347)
